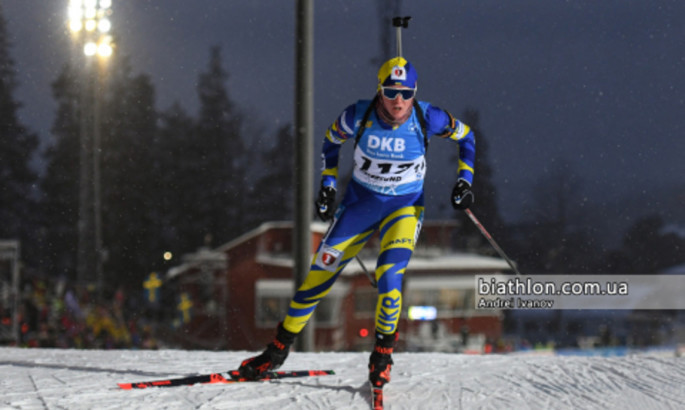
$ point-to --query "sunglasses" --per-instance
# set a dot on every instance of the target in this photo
(405, 93)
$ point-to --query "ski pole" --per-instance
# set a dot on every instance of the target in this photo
(491, 240)
(368, 274)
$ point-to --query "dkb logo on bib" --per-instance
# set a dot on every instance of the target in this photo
(386, 143)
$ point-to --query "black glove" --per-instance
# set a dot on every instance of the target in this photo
(324, 205)
(462, 197)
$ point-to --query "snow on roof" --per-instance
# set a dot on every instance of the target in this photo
(448, 262)
(203, 257)
(316, 227)
(420, 261)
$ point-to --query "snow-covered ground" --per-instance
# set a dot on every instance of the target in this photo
(87, 379)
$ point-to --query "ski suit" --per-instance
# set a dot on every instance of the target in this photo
(384, 195)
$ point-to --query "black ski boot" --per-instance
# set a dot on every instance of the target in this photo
(271, 359)
(380, 361)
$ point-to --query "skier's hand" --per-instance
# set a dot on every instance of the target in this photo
(462, 196)
(324, 205)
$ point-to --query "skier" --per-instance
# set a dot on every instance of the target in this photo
(391, 134)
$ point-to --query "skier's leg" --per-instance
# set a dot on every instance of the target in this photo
(399, 232)
(380, 361)
(341, 244)
(272, 358)
(346, 237)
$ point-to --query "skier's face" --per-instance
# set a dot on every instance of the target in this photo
(394, 100)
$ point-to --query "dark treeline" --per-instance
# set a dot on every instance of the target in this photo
(173, 181)
(170, 181)
(563, 231)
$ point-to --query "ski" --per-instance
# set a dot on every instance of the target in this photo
(376, 397)
(222, 378)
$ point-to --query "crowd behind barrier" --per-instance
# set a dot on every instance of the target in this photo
(55, 314)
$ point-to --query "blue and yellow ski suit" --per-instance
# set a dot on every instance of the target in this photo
(384, 195)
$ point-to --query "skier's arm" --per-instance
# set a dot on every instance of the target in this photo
(442, 124)
(337, 134)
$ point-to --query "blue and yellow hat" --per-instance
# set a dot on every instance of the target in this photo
(397, 71)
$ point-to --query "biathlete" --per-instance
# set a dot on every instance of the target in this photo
(391, 133)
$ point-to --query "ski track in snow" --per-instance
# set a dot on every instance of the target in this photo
(86, 379)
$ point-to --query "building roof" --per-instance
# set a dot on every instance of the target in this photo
(464, 262)
(316, 227)
(424, 259)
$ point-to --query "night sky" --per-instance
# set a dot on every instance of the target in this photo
(598, 85)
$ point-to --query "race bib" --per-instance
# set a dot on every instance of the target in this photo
(388, 176)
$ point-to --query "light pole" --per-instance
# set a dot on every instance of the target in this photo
(304, 120)
(90, 27)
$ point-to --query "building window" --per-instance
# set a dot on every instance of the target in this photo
(273, 300)
(271, 309)
(328, 311)
(365, 301)
(445, 300)
(452, 297)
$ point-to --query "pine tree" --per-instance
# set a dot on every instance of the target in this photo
(221, 175)
(17, 178)
(59, 205)
(178, 159)
(130, 213)
(272, 198)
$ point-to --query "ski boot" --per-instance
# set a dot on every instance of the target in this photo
(271, 359)
(380, 361)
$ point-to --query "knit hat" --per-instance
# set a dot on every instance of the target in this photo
(397, 71)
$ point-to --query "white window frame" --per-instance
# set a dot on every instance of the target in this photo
(437, 283)
(284, 290)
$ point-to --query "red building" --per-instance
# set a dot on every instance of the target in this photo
(241, 290)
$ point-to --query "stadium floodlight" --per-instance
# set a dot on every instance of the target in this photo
(90, 49)
(75, 16)
(89, 19)
(105, 49)
(104, 25)
(89, 23)
(75, 25)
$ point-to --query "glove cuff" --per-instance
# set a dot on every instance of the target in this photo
(329, 182)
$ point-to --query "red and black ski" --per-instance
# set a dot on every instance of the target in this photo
(222, 378)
